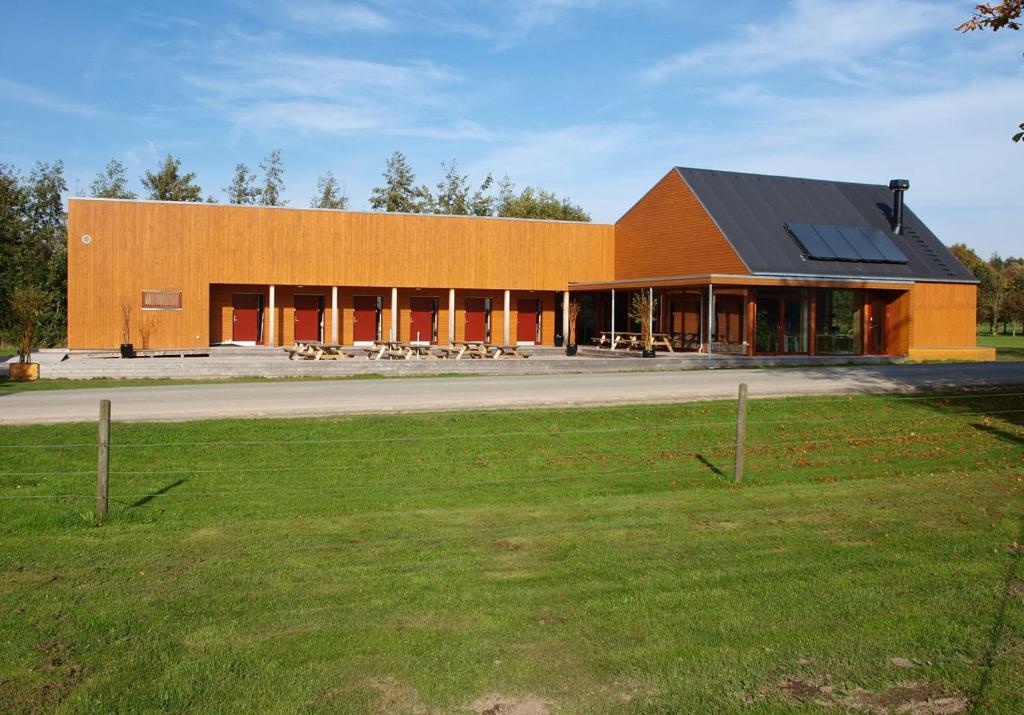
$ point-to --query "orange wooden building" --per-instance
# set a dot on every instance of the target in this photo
(737, 263)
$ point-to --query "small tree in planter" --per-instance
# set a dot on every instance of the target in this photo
(641, 310)
(574, 313)
(27, 304)
(127, 349)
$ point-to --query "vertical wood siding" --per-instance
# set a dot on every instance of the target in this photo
(140, 246)
(668, 233)
(943, 315)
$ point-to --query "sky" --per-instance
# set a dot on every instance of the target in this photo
(593, 100)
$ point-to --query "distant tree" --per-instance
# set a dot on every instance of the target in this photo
(536, 203)
(453, 194)
(399, 194)
(996, 17)
(242, 189)
(167, 183)
(328, 194)
(33, 246)
(273, 180)
(1014, 277)
(112, 182)
(986, 276)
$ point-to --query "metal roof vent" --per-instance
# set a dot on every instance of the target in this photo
(898, 186)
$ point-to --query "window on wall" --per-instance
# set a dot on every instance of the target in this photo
(837, 322)
(161, 300)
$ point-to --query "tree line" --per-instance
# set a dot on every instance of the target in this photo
(453, 195)
(33, 221)
(1000, 288)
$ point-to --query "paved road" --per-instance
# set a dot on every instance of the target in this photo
(294, 399)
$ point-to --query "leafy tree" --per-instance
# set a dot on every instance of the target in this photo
(167, 183)
(986, 275)
(273, 180)
(243, 189)
(33, 246)
(1014, 277)
(536, 203)
(453, 195)
(400, 193)
(112, 182)
(996, 17)
(328, 194)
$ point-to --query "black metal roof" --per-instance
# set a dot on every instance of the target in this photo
(752, 211)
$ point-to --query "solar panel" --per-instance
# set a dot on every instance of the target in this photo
(856, 244)
(813, 244)
(886, 246)
(837, 241)
(857, 238)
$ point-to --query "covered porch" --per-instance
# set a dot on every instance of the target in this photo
(746, 315)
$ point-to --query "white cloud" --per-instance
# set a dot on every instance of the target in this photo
(325, 16)
(24, 94)
(849, 38)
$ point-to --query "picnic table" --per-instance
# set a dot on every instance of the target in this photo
(317, 351)
(633, 341)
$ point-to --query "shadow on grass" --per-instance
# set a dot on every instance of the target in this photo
(707, 463)
(998, 633)
(160, 492)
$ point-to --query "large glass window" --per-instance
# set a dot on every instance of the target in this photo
(838, 321)
(781, 322)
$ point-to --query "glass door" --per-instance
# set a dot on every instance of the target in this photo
(781, 323)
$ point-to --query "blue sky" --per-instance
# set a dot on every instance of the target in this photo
(592, 99)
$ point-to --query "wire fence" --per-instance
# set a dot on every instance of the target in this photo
(910, 444)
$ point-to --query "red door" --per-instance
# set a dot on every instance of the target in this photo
(526, 321)
(421, 325)
(365, 318)
(245, 317)
(476, 320)
(308, 312)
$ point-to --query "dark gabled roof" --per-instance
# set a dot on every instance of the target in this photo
(752, 211)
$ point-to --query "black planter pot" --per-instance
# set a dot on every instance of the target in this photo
(558, 341)
(571, 349)
(127, 350)
(648, 353)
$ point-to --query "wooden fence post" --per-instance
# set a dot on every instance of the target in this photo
(741, 432)
(103, 462)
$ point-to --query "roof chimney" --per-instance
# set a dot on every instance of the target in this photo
(898, 186)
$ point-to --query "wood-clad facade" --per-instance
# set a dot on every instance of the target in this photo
(195, 275)
(209, 252)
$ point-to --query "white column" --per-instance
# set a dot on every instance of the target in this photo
(613, 320)
(508, 309)
(565, 319)
(451, 315)
(334, 315)
(273, 319)
(394, 314)
(711, 315)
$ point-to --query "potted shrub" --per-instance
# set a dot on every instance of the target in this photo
(127, 349)
(642, 310)
(574, 313)
(27, 303)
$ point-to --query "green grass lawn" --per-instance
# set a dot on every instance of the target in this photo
(593, 560)
(1007, 347)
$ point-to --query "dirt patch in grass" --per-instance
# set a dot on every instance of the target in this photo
(910, 698)
(495, 704)
(905, 698)
(508, 545)
(391, 697)
(1016, 588)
